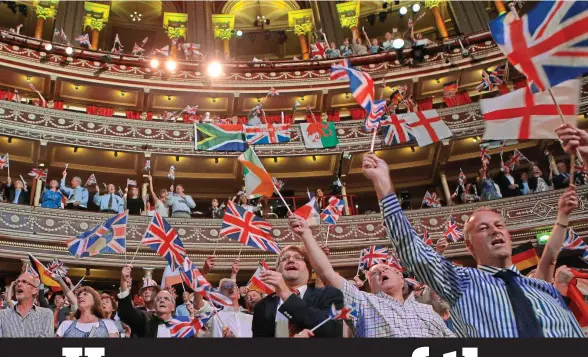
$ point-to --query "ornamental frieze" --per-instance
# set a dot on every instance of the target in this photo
(24, 228)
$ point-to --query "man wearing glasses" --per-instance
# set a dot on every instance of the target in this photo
(295, 306)
(142, 324)
(385, 312)
(25, 319)
(231, 321)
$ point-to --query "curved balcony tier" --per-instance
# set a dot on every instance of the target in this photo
(44, 232)
(70, 128)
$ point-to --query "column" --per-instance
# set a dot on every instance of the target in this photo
(349, 16)
(175, 27)
(70, 18)
(95, 19)
(469, 16)
(329, 20)
(148, 273)
(434, 6)
(500, 7)
(445, 186)
(302, 22)
(45, 10)
(224, 27)
(344, 193)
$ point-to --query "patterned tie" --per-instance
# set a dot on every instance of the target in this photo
(292, 328)
(525, 318)
(110, 202)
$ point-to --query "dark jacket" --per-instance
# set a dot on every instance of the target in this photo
(10, 193)
(141, 324)
(563, 180)
(503, 183)
(306, 313)
(533, 182)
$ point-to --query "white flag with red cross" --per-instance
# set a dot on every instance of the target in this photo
(523, 115)
(427, 127)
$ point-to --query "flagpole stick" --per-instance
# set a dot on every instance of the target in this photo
(215, 245)
(240, 249)
(374, 138)
(78, 284)
(327, 239)
(282, 198)
(322, 323)
(134, 255)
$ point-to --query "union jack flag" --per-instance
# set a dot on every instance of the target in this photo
(83, 39)
(247, 228)
(515, 159)
(397, 129)
(360, 84)
(453, 233)
(164, 51)
(163, 239)
(372, 255)
(267, 133)
(278, 183)
(488, 82)
(185, 327)
(573, 241)
(348, 312)
(91, 180)
(426, 239)
(340, 72)
(431, 200)
(4, 161)
(39, 174)
(330, 215)
(273, 92)
(172, 172)
(485, 156)
(548, 44)
(192, 276)
(137, 50)
(317, 50)
(192, 110)
(131, 182)
(393, 262)
(372, 121)
(109, 237)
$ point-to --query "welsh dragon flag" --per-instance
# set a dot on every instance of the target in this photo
(257, 181)
(319, 135)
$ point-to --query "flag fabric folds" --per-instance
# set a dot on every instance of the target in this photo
(348, 312)
(547, 44)
(431, 200)
(219, 137)
(39, 174)
(185, 327)
(258, 182)
(521, 114)
(109, 237)
(525, 257)
(396, 129)
(267, 133)
(427, 127)
(319, 135)
(330, 215)
(453, 232)
(255, 282)
(91, 180)
(248, 229)
(4, 161)
(309, 213)
(372, 255)
(44, 274)
(163, 239)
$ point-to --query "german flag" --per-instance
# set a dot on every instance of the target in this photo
(44, 274)
(525, 257)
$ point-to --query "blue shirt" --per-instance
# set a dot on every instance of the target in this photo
(181, 310)
(117, 205)
(51, 199)
(525, 188)
(479, 303)
(180, 204)
(16, 195)
(79, 194)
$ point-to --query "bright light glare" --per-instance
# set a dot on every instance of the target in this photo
(214, 69)
(154, 63)
(48, 47)
(398, 43)
(69, 50)
(416, 7)
(170, 65)
(239, 33)
(403, 10)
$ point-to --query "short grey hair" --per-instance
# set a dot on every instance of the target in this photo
(78, 179)
(466, 227)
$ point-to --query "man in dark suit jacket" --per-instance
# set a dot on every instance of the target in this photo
(562, 180)
(295, 306)
(507, 183)
(16, 193)
(142, 324)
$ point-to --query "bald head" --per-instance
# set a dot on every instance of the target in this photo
(165, 304)
(26, 287)
(488, 239)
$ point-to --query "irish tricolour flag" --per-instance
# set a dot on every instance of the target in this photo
(257, 181)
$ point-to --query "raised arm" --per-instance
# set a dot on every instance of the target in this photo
(235, 269)
(97, 196)
(367, 38)
(62, 186)
(127, 313)
(429, 267)
(69, 294)
(567, 203)
(151, 189)
(574, 140)
(318, 259)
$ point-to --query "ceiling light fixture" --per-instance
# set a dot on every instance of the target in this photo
(398, 43)
(136, 16)
(214, 99)
(403, 10)
(216, 160)
(347, 95)
(76, 149)
(438, 81)
(177, 158)
(412, 149)
(169, 97)
(76, 87)
(10, 139)
(416, 7)
(313, 158)
(239, 33)
(276, 159)
(69, 50)
(28, 78)
(122, 93)
(116, 154)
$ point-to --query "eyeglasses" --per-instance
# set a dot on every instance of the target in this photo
(227, 286)
(296, 257)
(163, 298)
(25, 282)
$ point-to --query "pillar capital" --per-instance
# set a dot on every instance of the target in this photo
(348, 14)
(432, 3)
(301, 20)
(175, 24)
(223, 25)
(96, 15)
(46, 9)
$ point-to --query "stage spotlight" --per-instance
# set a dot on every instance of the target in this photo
(398, 43)
(214, 69)
(416, 7)
(239, 33)
(171, 65)
(403, 10)
(154, 63)
(69, 50)
(48, 47)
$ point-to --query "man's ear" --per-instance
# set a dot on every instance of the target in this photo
(470, 248)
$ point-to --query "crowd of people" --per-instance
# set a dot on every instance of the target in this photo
(427, 297)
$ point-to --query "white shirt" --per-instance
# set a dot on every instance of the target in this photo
(162, 208)
(279, 315)
(162, 330)
(510, 179)
(238, 321)
(86, 326)
(282, 329)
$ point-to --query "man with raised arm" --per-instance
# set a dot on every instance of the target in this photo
(492, 300)
(385, 312)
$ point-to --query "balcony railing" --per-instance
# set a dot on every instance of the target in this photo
(43, 232)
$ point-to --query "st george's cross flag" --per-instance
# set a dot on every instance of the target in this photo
(248, 229)
(109, 237)
(258, 183)
(255, 282)
(523, 115)
(427, 127)
(163, 239)
(267, 133)
(549, 44)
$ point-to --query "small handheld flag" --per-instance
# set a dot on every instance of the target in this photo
(131, 182)
(162, 238)
(147, 165)
(38, 174)
(346, 313)
(172, 173)
(4, 161)
(91, 180)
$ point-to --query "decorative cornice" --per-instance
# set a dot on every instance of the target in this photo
(301, 20)
(429, 4)
(175, 24)
(96, 15)
(348, 13)
(43, 231)
(46, 9)
(223, 26)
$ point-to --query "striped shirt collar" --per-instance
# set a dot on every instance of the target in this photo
(493, 270)
(33, 309)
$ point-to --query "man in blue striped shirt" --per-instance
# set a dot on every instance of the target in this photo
(494, 300)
